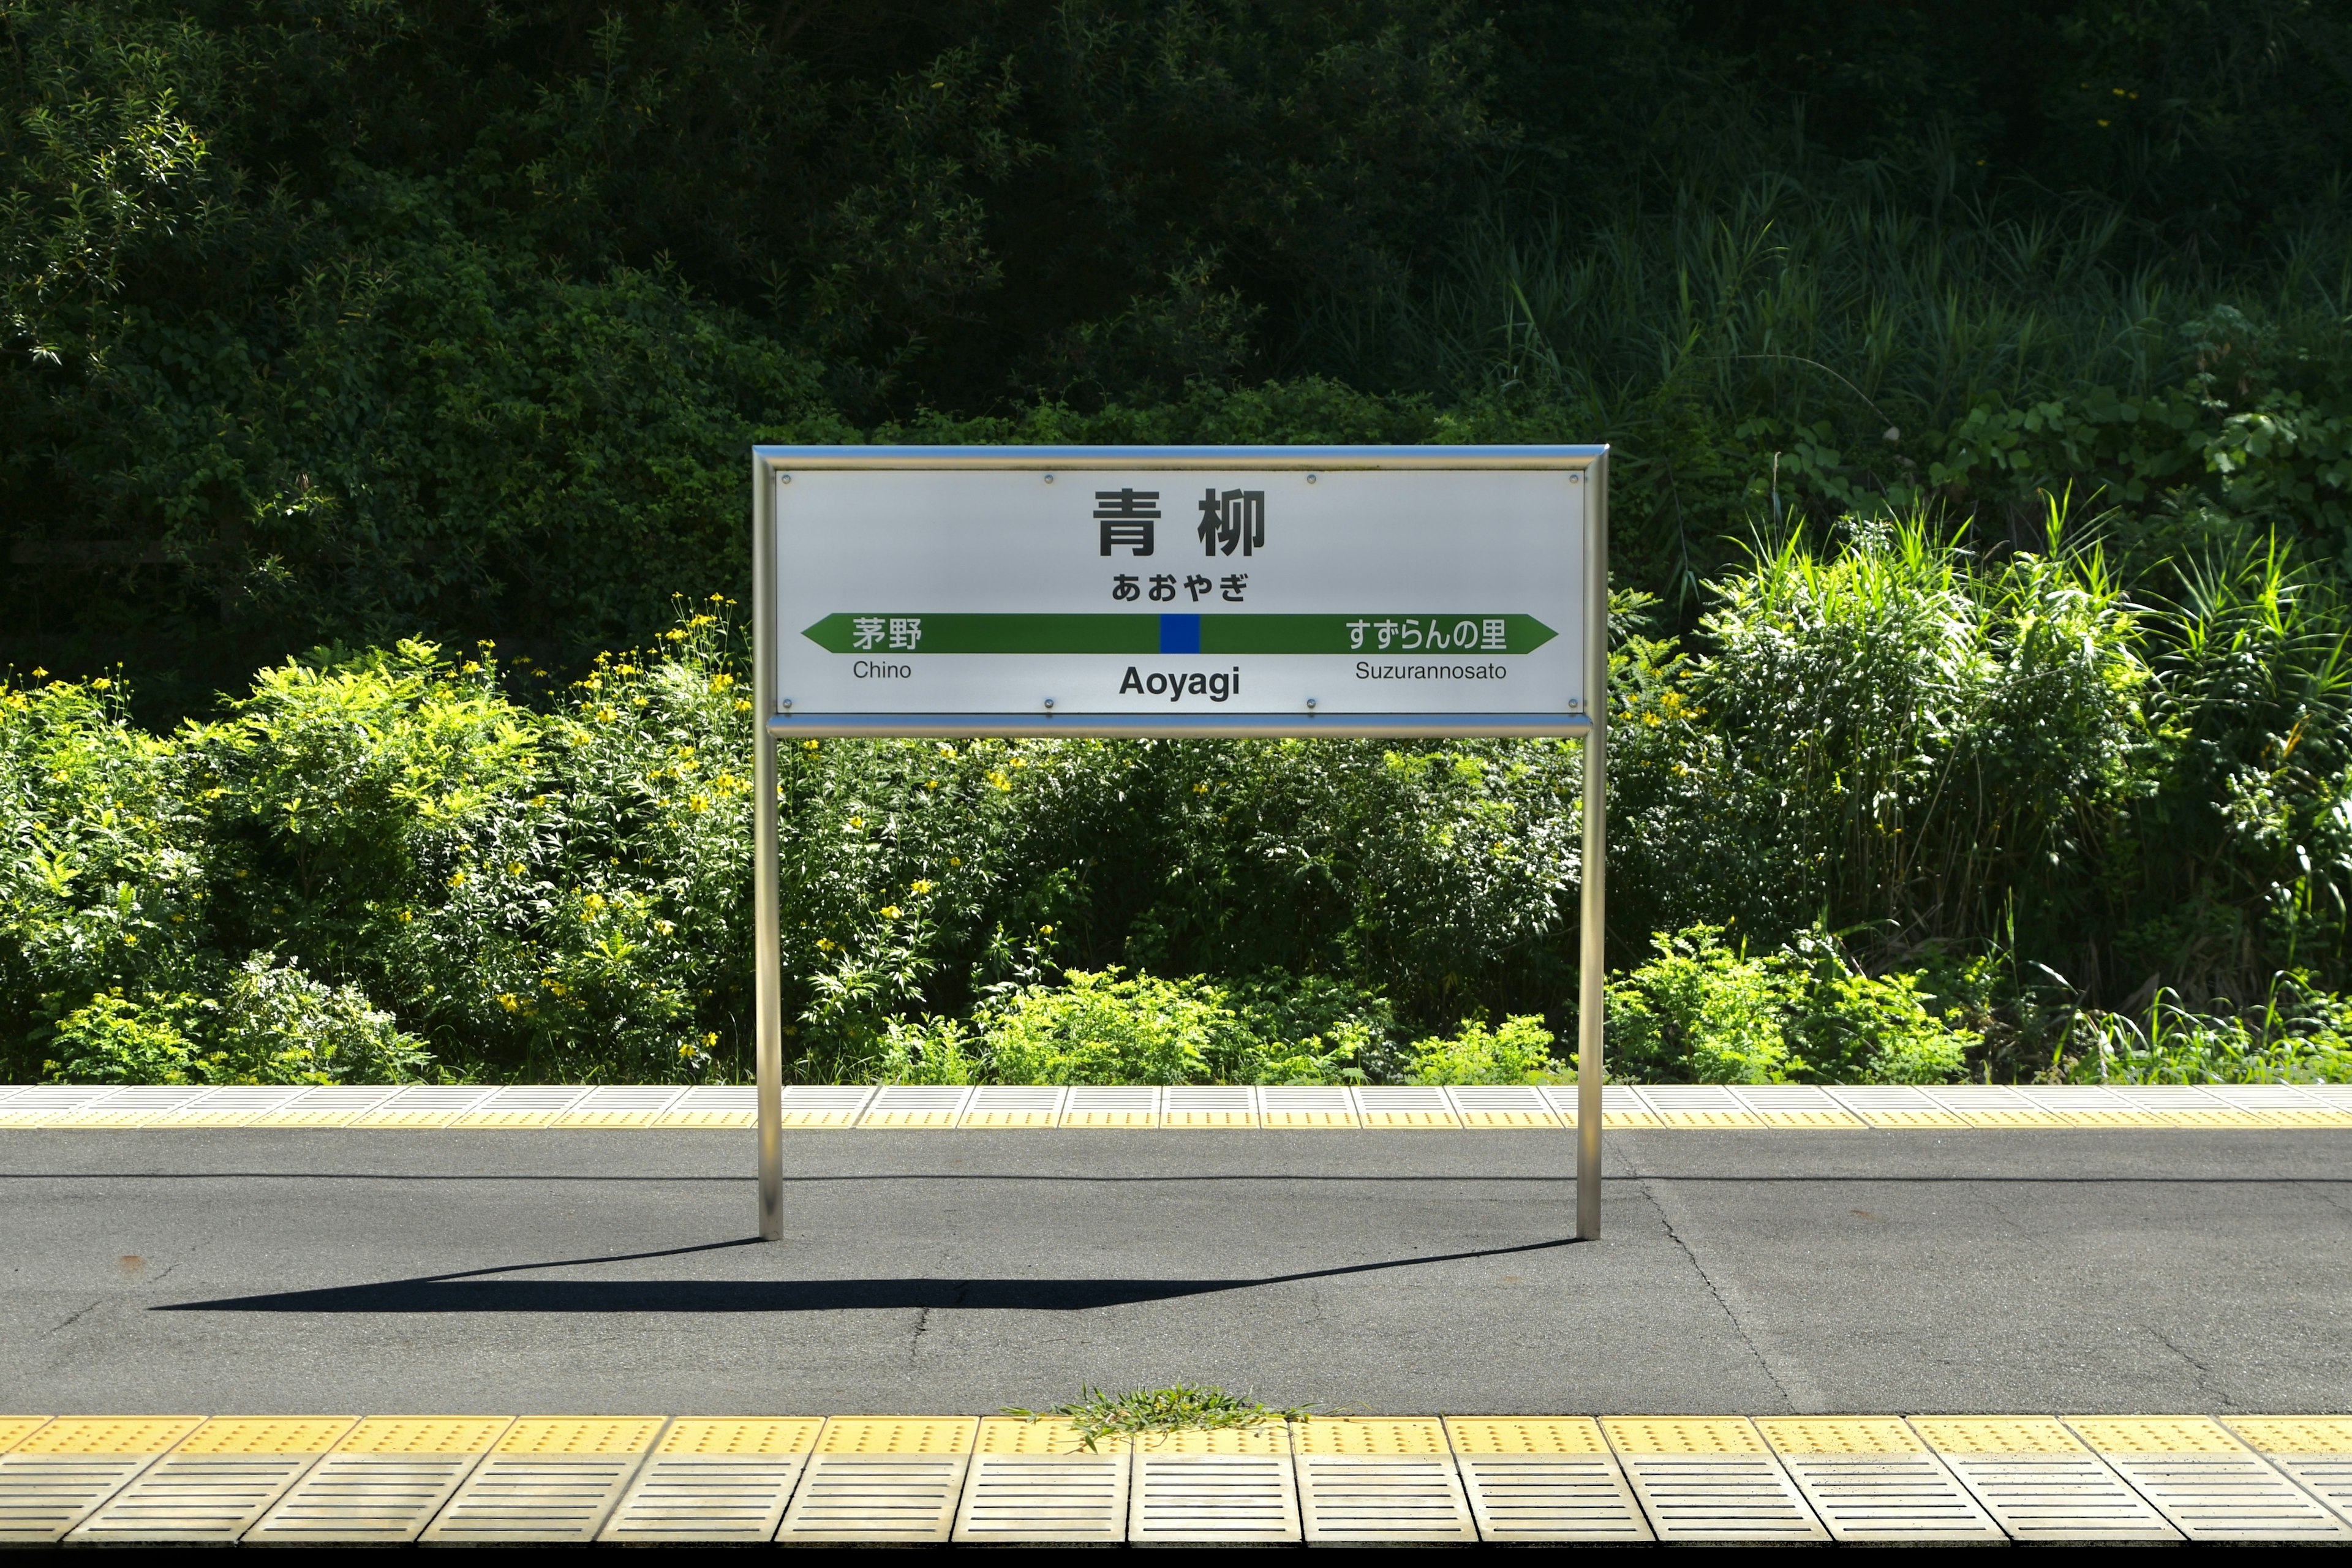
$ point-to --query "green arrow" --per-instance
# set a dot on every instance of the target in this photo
(1146, 632)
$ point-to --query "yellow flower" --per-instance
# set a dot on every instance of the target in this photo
(952, 860)
(514, 867)
(856, 822)
(1044, 930)
(890, 911)
(919, 886)
(512, 1004)
(697, 803)
(456, 879)
(130, 939)
(808, 745)
(101, 683)
(824, 944)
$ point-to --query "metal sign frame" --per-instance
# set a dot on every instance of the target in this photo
(773, 721)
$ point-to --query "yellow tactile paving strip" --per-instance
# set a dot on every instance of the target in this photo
(264, 1434)
(2154, 1435)
(742, 1434)
(2001, 1434)
(14, 1429)
(110, 1435)
(1683, 1435)
(1273, 1438)
(2295, 1434)
(438, 1435)
(1551, 1107)
(1046, 1434)
(1370, 1434)
(546, 1435)
(1526, 1479)
(1524, 1435)
(1839, 1435)
(898, 1435)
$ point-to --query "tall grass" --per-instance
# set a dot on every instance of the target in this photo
(1900, 298)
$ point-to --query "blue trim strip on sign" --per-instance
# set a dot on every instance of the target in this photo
(1180, 634)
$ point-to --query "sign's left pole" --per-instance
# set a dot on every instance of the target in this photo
(767, 953)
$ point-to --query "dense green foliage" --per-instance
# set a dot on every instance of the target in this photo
(1980, 383)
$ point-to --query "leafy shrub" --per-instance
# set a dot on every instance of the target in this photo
(1100, 1028)
(1518, 1051)
(115, 1038)
(276, 1024)
(1700, 1012)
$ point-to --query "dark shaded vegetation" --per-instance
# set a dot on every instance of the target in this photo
(328, 325)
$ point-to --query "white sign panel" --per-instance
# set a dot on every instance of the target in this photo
(1175, 595)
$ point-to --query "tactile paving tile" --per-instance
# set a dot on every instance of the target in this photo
(1709, 1478)
(715, 1479)
(1221, 1105)
(422, 1107)
(2209, 1485)
(381, 1483)
(1094, 1105)
(882, 1478)
(2317, 1451)
(329, 1105)
(713, 1105)
(901, 1105)
(619, 1105)
(14, 1429)
(1037, 1483)
(548, 1478)
(824, 1105)
(1224, 1486)
(57, 1475)
(1699, 1105)
(1798, 1106)
(2089, 1105)
(1623, 1109)
(1405, 1106)
(1014, 1105)
(231, 1107)
(220, 1478)
(1306, 1106)
(2039, 1482)
(2184, 1105)
(1873, 1481)
(132, 1107)
(1503, 1107)
(522, 1105)
(1373, 1482)
(1995, 1106)
(1895, 1105)
(1537, 1478)
(33, 1104)
(2277, 1104)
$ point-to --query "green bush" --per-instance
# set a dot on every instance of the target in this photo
(1700, 1012)
(1517, 1051)
(1100, 1029)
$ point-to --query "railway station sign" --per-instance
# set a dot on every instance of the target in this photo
(1291, 591)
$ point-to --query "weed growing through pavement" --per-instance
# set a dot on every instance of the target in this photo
(1184, 1406)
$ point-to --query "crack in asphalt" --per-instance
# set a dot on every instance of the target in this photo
(76, 1317)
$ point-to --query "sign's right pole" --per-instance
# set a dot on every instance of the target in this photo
(1591, 918)
(767, 954)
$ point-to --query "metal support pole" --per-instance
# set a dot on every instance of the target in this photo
(1591, 948)
(767, 954)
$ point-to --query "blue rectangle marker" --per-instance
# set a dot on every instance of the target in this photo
(1180, 634)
